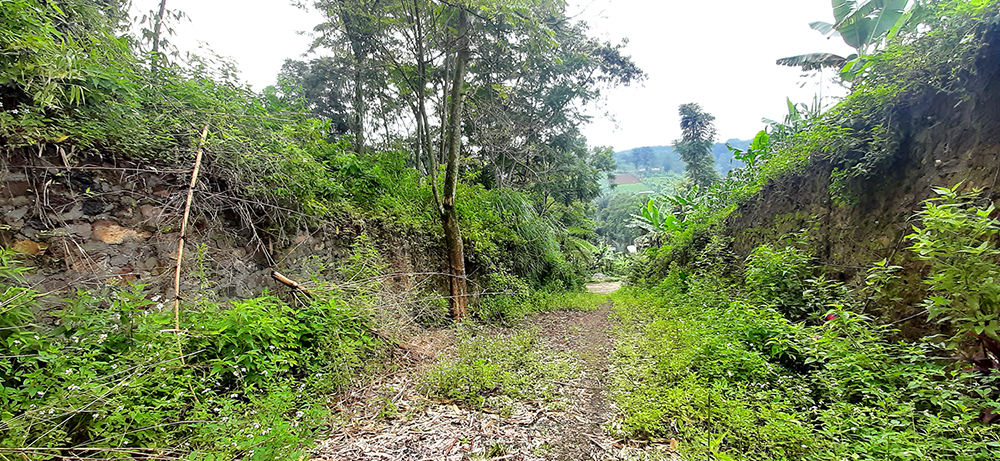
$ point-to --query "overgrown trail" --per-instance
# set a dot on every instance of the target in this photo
(392, 420)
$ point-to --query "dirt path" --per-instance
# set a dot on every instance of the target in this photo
(604, 287)
(391, 420)
(586, 337)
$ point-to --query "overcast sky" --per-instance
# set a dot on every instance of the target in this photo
(720, 54)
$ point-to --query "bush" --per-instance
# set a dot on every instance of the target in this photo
(102, 374)
(959, 241)
(733, 378)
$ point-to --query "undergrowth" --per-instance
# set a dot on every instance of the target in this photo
(492, 369)
(104, 375)
(784, 367)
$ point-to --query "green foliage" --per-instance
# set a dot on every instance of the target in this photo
(681, 249)
(490, 367)
(656, 221)
(547, 301)
(862, 25)
(506, 234)
(703, 361)
(60, 53)
(695, 146)
(933, 48)
(612, 263)
(251, 382)
(613, 216)
(784, 279)
(958, 238)
(505, 300)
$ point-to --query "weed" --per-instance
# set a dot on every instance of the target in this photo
(488, 365)
(728, 374)
(102, 374)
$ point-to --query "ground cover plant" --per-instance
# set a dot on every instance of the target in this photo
(723, 367)
(493, 368)
(249, 379)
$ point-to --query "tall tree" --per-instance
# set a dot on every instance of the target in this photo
(449, 216)
(423, 49)
(321, 85)
(529, 88)
(517, 105)
(351, 30)
(157, 28)
(695, 146)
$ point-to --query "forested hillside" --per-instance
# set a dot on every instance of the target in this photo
(665, 158)
(385, 254)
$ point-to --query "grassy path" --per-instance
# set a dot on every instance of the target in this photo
(396, 418)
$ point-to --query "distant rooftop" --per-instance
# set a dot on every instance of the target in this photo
(626, 178)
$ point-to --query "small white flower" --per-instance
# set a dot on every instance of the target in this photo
(41, 393)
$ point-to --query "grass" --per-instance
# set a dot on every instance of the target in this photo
(632, 188)
(492, 368)
(711, 363)
(567, 301)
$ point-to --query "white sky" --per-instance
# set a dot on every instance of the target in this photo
(717, 53)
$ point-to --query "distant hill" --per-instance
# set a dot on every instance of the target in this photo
(666, 159)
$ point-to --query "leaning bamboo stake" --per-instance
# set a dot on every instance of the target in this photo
(184, 222)
(290, 283)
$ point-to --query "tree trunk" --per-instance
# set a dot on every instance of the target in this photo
(358, 124)
(449, 217)
(158, 25)
(353, 18)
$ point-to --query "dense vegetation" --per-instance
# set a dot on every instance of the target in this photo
(102, 373)
(392, 120)
(767, 357)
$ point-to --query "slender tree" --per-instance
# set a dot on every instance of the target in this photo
(157, 28)
(449, 216)
(695, 146)
(507, 77)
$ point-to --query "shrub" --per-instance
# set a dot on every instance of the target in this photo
(733, 378)
(959, 241)
(101, 374)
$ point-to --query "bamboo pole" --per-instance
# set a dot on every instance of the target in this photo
(184, 222)
(290, 283)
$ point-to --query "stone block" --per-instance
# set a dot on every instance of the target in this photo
(111, 233)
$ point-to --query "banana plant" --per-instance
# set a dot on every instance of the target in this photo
(686, 202)
(655, 220)
(862, 24)
(753, 156)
